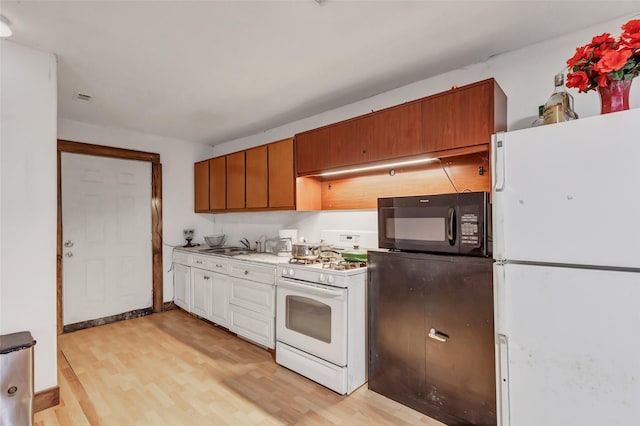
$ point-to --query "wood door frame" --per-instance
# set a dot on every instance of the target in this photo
(156, 212)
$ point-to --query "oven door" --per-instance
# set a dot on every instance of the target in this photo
(313, 318)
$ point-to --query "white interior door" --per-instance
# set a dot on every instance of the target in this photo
(106, 220)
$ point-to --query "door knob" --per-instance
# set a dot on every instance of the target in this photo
(68, 243)
(68, 254)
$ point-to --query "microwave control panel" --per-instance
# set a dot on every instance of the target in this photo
(469, 229)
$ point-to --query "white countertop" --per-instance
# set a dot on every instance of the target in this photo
(268, 258)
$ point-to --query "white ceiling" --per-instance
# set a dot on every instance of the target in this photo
(213, 71)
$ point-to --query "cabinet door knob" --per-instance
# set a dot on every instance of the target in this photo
(436, 335)
(246, 272)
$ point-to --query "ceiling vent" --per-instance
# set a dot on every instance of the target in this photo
(82, 97)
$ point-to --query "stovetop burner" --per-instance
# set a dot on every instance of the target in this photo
(341, 265)
(333, 263)
(295, 260)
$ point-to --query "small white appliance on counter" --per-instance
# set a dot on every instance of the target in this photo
(566, 229)
(321, 318)
(285, 241)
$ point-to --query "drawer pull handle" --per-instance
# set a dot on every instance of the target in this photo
(436, 335)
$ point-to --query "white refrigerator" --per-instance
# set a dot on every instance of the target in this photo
(566, 228)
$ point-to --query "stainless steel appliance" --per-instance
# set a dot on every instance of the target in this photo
(445, 223)
(321, 321)
(431, 332)
(16, 378)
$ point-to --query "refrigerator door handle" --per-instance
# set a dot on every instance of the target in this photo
(498, 161)
(503, 380)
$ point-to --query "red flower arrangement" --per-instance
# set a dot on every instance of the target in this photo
(605, 59)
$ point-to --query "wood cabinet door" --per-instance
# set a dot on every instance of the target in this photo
(256, 177)
(218, 183)
(235, 180)
(472, 107)
(312, 150)
(349, 142)
(201, 186)
(457, 118)
(281, 175)
(396, 132)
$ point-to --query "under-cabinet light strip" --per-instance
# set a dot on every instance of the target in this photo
(380, 166)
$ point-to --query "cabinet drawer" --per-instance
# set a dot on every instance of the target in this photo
(250, 271)
(210, 263)
(181, 258)
(257, 297)
(253, 326)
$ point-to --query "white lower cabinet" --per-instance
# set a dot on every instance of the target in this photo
(201, 292)
(235, 294)
(182, 286)
(182, 280)
(252, 307)
(210, 296)
(253, 302)
(220, 285)
(258, 328)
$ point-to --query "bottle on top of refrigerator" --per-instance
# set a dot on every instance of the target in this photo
(559, 107)
(540, 120)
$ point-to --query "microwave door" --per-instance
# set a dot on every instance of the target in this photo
(418, 228)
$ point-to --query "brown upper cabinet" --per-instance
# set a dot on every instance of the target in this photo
(218, 183)
(256, 177)
(281, 175)
(458, 118)
(235, 180)
(259, 178)
(312, 150)
(349, 142)
(396, 132)
(201, 186)
(463, 117)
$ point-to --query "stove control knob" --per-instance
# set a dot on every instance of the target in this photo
(284, 272)
(321, 278)
(331, 279)
(292, 272)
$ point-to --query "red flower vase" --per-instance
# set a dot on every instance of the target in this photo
(615, 96)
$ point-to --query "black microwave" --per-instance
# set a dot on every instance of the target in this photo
(445, 223)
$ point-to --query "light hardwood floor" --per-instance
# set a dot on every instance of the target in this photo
(173, 369)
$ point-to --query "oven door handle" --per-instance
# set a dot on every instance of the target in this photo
(337, 294)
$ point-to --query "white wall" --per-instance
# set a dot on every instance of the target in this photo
(525, 75)
(177, 158)
(28, 110)
(252, 225)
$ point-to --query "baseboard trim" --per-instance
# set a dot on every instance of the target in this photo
(46, 399)
(107, 320)
(168, 306)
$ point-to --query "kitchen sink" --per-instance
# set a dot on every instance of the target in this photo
(227, 251)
